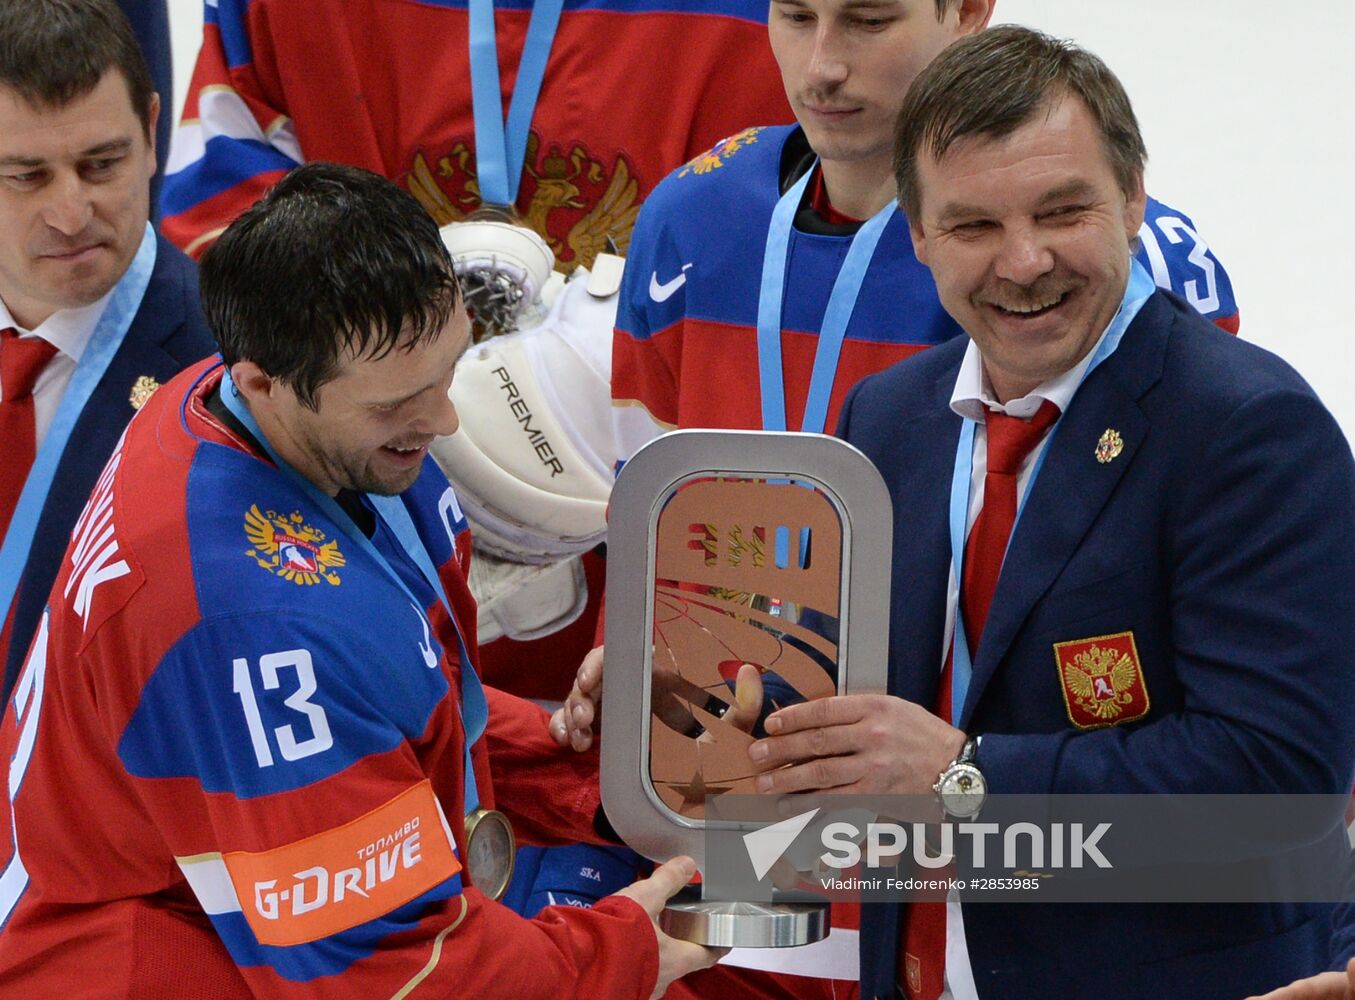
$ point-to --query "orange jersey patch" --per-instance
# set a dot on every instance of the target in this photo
(1102, 680)
(344, 877)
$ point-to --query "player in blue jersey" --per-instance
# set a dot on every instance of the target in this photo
(249, 754)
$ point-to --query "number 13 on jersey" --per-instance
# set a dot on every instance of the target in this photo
(271, 666)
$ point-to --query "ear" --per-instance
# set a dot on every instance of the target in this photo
(255, 386)
(153, 119)
(919, 242)
(1135, 206)
(974, 16)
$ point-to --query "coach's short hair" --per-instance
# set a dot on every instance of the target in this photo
(992, 83)
(333, 259)
(53, 51)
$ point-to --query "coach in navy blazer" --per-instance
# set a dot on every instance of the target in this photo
(166, 336)
(79, 151)
(1195, 495)
(1221, 538)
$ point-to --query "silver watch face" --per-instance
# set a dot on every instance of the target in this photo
(962, 790)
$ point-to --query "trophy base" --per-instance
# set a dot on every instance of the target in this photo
(728, 924)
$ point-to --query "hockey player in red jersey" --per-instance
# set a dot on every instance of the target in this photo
(249, 753)
(418, 91)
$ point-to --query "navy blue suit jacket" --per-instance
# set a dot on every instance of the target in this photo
(1221, 538)
(150, 24)
(166, 336)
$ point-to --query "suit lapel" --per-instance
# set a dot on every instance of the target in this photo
(922, 553)
(1073, 487)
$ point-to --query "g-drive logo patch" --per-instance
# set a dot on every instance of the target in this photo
(344, 877)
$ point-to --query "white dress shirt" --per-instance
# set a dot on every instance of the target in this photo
(972, 396)
(69, 331)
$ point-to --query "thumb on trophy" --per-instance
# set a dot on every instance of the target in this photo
(653, 892)
(676, 958)
(747, 698)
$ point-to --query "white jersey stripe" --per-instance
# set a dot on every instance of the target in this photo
(223, 113)
(27, 708)
(211, 883)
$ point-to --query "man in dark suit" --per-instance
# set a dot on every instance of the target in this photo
(95, 310)
(1184, 503)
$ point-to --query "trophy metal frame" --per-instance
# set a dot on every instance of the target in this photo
(649, 480)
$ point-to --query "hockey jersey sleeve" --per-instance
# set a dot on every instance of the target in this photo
(647, 343)
(301, 809)
(1171, 248)
(550, 792)
(232, 142)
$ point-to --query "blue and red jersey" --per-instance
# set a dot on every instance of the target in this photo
(685, 351)
(385, 85)
(237, 752)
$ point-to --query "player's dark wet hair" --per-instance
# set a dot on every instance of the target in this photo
(332, 260)
(992, 83)
(54, 51)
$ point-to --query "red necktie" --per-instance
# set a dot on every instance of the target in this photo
(21, 361)
(1010, 440)
(922, 957)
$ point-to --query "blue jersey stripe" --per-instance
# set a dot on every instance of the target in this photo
(219, 170)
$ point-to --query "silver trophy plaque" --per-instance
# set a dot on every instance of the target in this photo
(728, 548)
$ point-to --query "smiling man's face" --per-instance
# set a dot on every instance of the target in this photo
(373, 421)
(1028, 239)
(74, 197)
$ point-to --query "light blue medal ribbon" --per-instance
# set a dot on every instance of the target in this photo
(501, 152)
(104, 342)
(474, 709)
(832, 332)
(1137, 291)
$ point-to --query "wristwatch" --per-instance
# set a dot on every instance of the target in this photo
(961, 788)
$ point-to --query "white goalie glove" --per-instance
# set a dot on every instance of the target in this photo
(533, 459)
(504, 269)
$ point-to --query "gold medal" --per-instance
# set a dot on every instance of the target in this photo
(490, 851)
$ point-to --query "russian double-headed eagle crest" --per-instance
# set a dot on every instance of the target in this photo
(284, 544)
(715, 157)
(1102, 680)
(576, 203)
(1109, 446)
(142, 390)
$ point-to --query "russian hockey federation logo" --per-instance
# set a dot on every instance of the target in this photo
(715, 157)
(1103, 683)
(284, 544)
